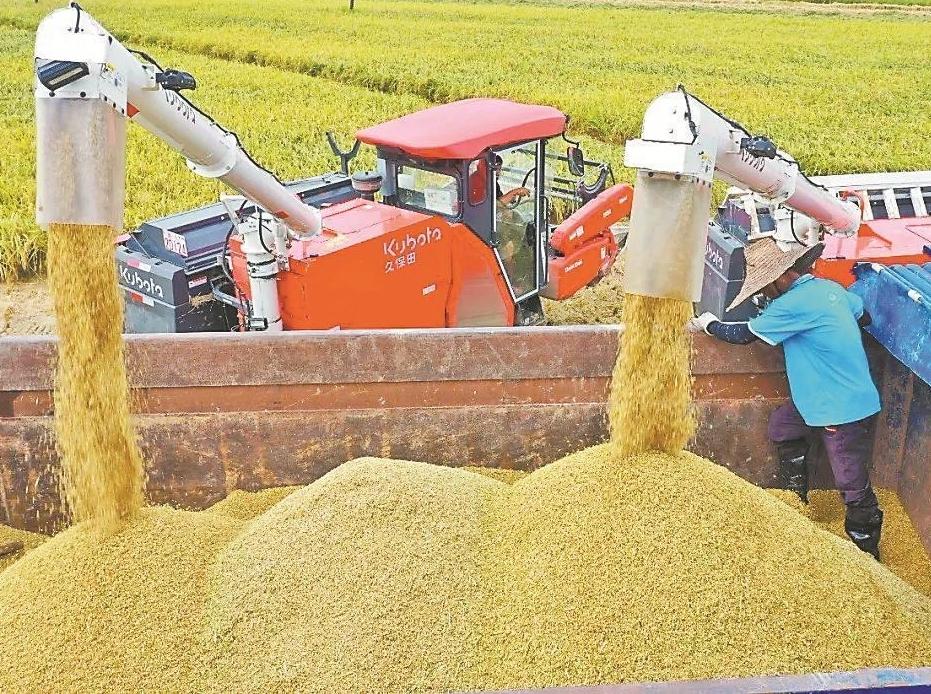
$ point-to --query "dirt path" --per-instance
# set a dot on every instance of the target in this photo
(26, 308)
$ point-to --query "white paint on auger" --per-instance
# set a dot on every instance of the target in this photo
(117, 78)
(683, 136)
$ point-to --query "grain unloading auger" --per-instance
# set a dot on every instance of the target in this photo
(685, 145)
(79, 62)
(875, 227)
(446, 245)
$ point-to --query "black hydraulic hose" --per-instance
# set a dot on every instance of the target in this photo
(792, 228)
(688, 112)
(146, 56)
(729, 121)
(244, 305)
(262, 228)
(226, 250)
(523, 184)
(741, 128)
(77, 19)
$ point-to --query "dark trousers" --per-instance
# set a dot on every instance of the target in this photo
(847, 447)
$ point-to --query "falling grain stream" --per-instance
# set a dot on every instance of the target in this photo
(102, 470)
(650, 402)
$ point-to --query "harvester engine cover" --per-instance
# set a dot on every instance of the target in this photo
(378, 266)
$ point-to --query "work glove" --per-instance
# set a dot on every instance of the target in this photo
(699, 324)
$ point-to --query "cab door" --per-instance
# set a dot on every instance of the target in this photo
(517, 217)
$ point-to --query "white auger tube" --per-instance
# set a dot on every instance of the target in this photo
(77, 60)
(687, 144)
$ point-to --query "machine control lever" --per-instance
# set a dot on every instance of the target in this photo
(344, 156)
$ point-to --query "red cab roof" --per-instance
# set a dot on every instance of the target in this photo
(464, 129)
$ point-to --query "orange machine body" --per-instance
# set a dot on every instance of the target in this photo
(455, 226)
(884, 241)
(584, 240)
(379, 266)
(440, 247)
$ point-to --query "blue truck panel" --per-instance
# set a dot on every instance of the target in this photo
(898, 297)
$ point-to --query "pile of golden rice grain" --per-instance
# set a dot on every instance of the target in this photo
(628, 561)
(397, 576)
(900, 546)
(15, 543)
(245, 505)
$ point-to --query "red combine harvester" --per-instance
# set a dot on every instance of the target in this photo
(456, 227)
(896, 227)
(461, 236)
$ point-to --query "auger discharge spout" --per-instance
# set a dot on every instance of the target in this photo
(87, 85)
(684, 146)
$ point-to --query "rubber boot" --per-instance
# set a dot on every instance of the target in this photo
(793, 467)
(864, 527)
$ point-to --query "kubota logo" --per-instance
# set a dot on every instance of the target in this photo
(402, 246)
(713, 256)
(132, 279)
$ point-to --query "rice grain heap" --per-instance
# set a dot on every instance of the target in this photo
(15, 543)
(394, 576)
(900, 545)
(102, 470)
(246, 505)
(89, 611)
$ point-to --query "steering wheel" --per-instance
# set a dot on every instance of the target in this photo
(523, 184)
(519, 200)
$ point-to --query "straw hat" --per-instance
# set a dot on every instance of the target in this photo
(766, 261)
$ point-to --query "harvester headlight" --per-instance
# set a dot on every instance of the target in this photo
(56, 74)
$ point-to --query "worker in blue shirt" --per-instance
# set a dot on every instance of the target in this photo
(817, 322)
